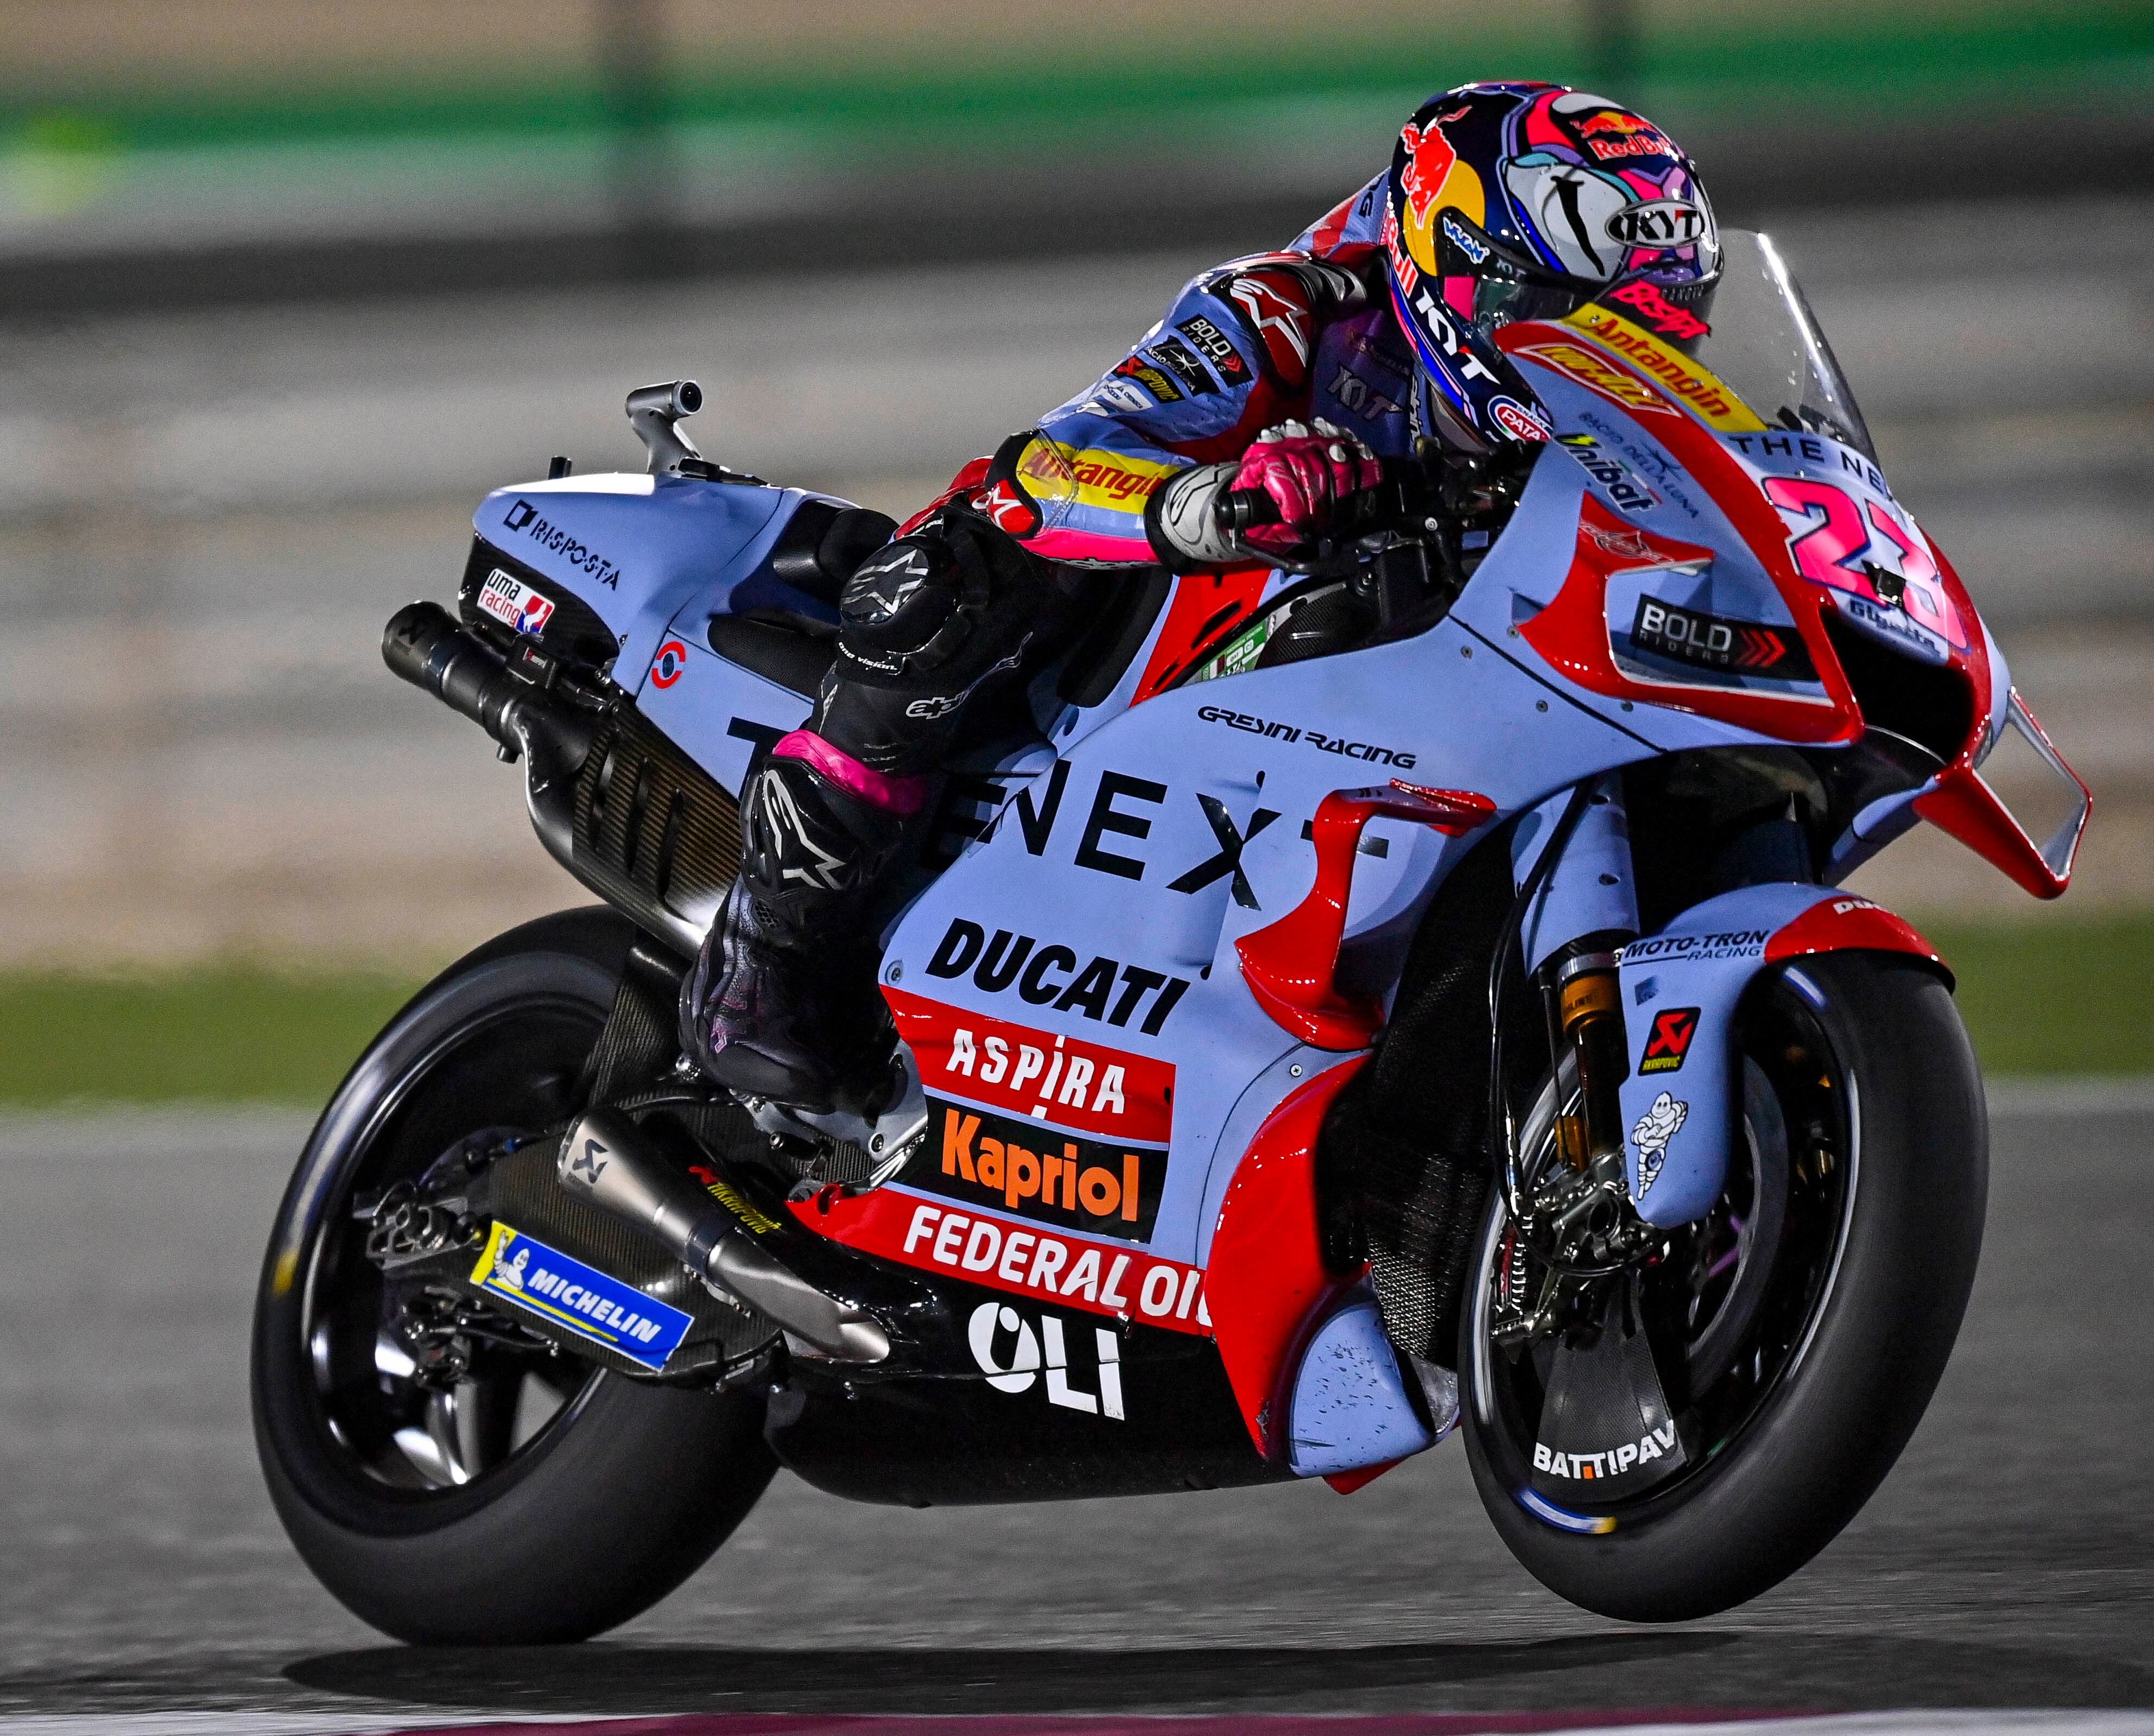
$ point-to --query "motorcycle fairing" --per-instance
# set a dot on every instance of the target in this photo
(1179, 829)
(1681, 989)
(1694, 534)
(1029, 1401)
(1802, 523)
(640, 550)
(1592, 888)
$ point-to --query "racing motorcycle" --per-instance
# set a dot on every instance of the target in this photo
(1412, 992)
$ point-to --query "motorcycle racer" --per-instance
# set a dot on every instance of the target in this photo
(1294, 373)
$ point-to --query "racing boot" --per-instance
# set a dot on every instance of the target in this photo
(782, 1004)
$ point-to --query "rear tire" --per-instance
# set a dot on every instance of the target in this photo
(513, 1532)
(1873, 1328)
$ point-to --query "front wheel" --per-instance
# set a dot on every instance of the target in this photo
(517, 1494)
(1797, 1331)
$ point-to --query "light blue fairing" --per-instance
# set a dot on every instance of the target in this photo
(1164, 832)
(1701, 962)
(655, 557)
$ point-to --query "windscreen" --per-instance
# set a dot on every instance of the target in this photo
(1764, 344)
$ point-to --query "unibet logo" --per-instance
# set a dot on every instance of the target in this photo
(1014, 1357)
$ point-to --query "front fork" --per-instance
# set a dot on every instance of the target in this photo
(1582, 909)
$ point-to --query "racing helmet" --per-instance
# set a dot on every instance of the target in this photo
(1524, 202)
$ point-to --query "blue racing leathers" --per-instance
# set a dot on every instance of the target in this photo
(1305, 332)
(985, 584)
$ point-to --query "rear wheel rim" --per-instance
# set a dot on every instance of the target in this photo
(403, 1439)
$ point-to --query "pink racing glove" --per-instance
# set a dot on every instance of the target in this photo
(1307, 472)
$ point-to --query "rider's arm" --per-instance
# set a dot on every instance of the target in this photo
(1230, 359)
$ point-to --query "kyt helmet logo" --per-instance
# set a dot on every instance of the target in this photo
(1657, 223)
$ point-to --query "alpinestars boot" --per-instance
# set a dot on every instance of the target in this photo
(782, 1003)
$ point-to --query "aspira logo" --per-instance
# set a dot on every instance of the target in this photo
(1015, 1357)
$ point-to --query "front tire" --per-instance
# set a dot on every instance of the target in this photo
(541, 1500)
(1838, 1343)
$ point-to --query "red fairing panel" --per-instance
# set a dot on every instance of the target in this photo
(1572, 633)
(1266, 1278)
(1850, 925)
(1290, 965)
(1806, 535)
(1025, 1259)
(1963, 805)
(1205, 607)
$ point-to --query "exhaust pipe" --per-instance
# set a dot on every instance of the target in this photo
(424, 645)
(606, 1160)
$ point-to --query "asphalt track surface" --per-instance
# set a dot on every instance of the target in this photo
(2005, 1564)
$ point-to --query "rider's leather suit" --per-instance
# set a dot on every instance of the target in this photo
(988, 577)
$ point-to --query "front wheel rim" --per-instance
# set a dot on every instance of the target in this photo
(1789, 1056)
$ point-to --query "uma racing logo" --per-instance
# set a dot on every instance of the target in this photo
(515, 603)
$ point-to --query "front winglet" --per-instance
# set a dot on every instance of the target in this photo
(1290, 966)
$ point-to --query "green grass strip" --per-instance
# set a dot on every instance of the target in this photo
(230, 1034)
(2052, 995)
(1018, 102)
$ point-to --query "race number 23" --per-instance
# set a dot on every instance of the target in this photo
(1836, 546)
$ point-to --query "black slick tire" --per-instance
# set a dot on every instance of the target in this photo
(624, 1493)
(1829, 1431)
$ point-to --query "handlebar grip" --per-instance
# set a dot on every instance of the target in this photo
(1240, 510)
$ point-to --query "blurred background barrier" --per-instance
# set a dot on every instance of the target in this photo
(283, 290)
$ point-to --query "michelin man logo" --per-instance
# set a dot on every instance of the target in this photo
(1654, 1129)
(511, 1272)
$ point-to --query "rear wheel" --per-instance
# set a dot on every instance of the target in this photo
(1797, 1330)
(513, 1494)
